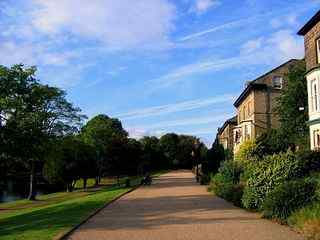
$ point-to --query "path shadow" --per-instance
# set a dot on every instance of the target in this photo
(142, 210)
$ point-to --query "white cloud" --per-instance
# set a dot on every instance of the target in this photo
(201, 6)
(290, 19)
(179, 74)
(119, 24)
(176, 107)
(224, 26)
(186, 122)
(251, 46)
(275, 49)
(229, 25)
(32, 54)
(139, 133)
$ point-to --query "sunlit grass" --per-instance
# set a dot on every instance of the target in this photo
(51, 214)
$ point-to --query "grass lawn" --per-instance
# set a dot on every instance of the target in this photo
(51, 214)
(307, 220)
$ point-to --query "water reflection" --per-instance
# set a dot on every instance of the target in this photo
(15, 190)
(12, 190)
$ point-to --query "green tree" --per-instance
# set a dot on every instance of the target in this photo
(184, 151)
(104, 133)
(215, 156)
(132, 156)
(293, 107)
(68, 160)
(31, 115)
(169, 146)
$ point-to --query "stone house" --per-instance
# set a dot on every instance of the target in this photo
(225, 133)
(256, 104)
(311, 33)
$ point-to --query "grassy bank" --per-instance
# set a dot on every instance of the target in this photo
(307, 220)
(53, 214)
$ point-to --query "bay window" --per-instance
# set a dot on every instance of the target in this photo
(314, 96)
(316, 139)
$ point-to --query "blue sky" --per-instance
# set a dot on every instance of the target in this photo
(158, 65)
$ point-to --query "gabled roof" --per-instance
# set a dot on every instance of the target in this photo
(259, 86)
(276, 68)
(247, 90)
(232, 120)
(310, 24)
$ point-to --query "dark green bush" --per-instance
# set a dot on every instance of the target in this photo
(265, 175)
(226, 183)
(271, 142)
(288, 197)
(127, 182)
(204, 179)
(309, 161)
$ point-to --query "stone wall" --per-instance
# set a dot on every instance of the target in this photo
(226, 137)
(310, 46)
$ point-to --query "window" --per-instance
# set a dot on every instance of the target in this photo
(247, 132)
(318, 50)
(314, 96)
(316, 139)
(277, 82)
(244, 113)
(237, 136)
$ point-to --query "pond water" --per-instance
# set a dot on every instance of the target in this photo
(13, 190)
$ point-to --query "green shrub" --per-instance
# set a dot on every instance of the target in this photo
(288, 197)
(309, 161)
(127, 182)
(226, 183)
(246, 152)
(204, 179)
(263, 176)
(272, 142)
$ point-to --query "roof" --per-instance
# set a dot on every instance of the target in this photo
(226, 123)
(310, 24)
(276, 68)
(259, 86)
(247, 90)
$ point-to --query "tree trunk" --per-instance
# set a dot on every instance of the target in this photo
(96, 181)
(84, 183)
(118, 180)
(32, 189)
(69, 187)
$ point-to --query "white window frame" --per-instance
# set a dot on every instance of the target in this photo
(314, 95)
(316, 139)
(281, 82)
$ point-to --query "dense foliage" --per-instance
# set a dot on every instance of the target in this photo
(213, 158)
(31, 115)
(246, 152)
(288, 197)
(267, 174)
(292, 107)
(226, 183)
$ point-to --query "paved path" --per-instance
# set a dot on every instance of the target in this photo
(174, 207)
